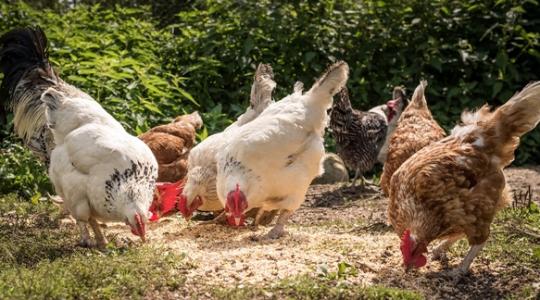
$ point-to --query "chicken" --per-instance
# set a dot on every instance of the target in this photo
(101, 172)
(171, 144)
(392, 115)
(359, 135)
(416, 129)
(27, 74)
(199, 191)
(453, 188)
(270, 162)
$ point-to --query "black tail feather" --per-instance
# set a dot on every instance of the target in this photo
(22, 50)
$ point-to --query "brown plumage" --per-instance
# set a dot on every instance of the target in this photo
(416, 129)
(171, 143)
(454, 187)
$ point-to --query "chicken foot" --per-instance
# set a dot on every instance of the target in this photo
(85, 240)
(463, 268)
(279, 229)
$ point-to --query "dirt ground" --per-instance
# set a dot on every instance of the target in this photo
(336, 224)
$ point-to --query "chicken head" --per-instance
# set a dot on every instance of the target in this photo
(412, 251)
(235, 207)
(137, 226)
(186, 209)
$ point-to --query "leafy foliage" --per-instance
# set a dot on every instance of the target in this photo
(21, 172)
(469, 51)
(114, 55)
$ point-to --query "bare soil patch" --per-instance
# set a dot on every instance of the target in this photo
(339, 224)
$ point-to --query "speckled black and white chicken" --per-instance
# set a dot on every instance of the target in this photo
(359, 135)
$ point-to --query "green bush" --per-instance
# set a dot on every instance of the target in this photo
(21, 172)
(114, 55)
(469, 51)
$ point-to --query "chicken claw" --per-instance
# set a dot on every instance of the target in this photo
(279, 229)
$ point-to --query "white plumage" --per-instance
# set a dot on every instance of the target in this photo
(272, 160)
(201, 177)
(100, 171)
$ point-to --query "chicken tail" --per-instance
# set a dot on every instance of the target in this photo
(399, 93)
(500, 130)
(27, 73)
(329, 84)
(262, 88)
(418, 98)
(516, 117)
(298, 87)
(23, 50)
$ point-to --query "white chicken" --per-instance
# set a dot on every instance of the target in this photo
(99, 170)
(270, 162)
(199, 191)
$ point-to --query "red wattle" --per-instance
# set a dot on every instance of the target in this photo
(231, 221)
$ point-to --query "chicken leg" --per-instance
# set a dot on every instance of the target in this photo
(279, 229)
(266, 217)
(85, 240)
(356, 173)
(100, 238)
(439, 253)
(463, 268)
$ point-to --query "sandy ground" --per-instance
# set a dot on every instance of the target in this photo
(335, 224)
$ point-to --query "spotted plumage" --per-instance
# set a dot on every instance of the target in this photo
(359, 135)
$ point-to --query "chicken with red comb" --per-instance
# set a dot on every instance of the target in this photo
(100, 171)
(453, 188)
(270, 162)
(200, 189)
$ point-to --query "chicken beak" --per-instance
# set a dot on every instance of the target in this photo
(237, 221)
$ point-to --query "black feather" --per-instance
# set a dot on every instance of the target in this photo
(22, 50)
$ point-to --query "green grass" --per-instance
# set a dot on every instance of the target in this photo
(308, 287)
(39, 260)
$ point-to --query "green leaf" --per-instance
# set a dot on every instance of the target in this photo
(497, 87)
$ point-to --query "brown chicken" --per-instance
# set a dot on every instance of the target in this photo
(171, 143)
(416, 129)
(453, 188)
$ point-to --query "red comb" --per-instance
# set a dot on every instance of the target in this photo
(165, 199)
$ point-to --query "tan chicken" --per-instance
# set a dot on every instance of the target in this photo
(171, 144)
(453, 188)
(416, 129)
